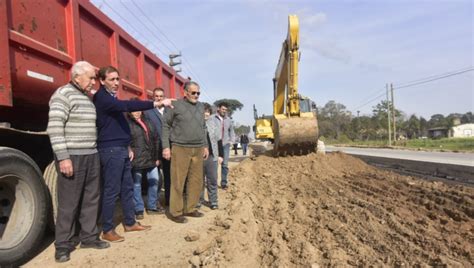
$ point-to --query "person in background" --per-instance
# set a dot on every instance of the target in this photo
(156, 117)
(244, 142)
(115, 154)
(73, 135)
(216, 154)
(146, 147)
(227, 135)
(235, 146)
(185, 127)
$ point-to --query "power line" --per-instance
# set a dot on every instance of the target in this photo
(434, 79)
(185, 60)
(419, 82)
(146, 26)
(131, 26)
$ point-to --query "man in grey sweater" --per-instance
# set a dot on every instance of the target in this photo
(186, 128)
(73, 135)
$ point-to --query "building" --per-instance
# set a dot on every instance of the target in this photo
(462, 131)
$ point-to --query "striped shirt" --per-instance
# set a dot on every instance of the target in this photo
(72, 122)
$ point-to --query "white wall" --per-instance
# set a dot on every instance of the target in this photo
(463, 131)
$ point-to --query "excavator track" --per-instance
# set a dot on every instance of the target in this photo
(295, 136)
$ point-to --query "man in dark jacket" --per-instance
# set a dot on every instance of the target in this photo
(156, 117)
(114, 151)
(185, 127)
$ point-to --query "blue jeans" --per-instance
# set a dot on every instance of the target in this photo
(244, 148)
(153, 178)
(117, 178)
(225, 167)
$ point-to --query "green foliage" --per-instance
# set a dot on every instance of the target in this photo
(455, 144)
(232, 105)
(242, 129)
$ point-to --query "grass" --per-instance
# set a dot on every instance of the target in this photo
(445, 144)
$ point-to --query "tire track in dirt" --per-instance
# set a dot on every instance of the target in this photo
(335, 210)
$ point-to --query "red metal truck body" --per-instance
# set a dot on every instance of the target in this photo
(39, 42)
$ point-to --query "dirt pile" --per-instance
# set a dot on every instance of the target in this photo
(335, 210)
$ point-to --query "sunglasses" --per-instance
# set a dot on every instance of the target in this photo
(195, 93)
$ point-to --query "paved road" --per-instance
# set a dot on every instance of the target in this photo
(464, 159)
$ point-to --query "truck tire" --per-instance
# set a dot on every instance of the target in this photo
(23, 207)
(50, 176)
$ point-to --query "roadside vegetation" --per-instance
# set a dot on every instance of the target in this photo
(338, 126)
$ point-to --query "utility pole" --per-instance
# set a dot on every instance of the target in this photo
(393, 115)
(388, 117)
(175, 63)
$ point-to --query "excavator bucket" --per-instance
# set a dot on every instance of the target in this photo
(295, 135)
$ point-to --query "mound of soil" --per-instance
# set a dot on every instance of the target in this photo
(334, 210)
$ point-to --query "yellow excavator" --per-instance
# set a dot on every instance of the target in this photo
(294, 126)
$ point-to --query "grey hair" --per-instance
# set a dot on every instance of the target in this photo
(190, 83)
(80, 68)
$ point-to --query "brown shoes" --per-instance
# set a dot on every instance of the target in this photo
(136, 227)
(112, 237)
(194, 214)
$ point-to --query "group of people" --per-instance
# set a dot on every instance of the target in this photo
(104, 146)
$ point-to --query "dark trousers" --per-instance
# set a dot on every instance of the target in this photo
(118, 182)
(210, 180)
(78, 201)
(166, 167)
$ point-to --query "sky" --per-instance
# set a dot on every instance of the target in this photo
(349, 49)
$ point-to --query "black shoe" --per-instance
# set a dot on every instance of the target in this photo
(139, 215)
(62, 255)
(177, 219)
(214, 207)
(224, 187)
(194, 214)
(155, 211)
(98, 244)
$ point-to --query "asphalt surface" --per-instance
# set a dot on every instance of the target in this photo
(464, 159)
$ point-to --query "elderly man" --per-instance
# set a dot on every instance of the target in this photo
(186, 128)
(115, 154)
(73, 135)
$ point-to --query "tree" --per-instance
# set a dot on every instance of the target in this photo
(380, 117)
(242, 129)
(412, 127)
(467, 118)
(437, 120)
(334, 119)
(232, 105)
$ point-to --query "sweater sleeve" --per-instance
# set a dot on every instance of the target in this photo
(166, 128)
(110, 104)
(59, 108)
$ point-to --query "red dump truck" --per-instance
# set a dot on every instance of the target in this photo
(39, 42)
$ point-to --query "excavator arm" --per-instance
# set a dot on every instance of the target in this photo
(295, 131)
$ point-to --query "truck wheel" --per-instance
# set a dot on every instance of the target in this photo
(50, 176)
(23, 207)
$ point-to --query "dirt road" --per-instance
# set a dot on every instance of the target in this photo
(313, 210)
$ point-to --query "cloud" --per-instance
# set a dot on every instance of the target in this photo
(313, 20)
(328, 49)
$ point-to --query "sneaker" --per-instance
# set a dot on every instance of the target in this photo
(155, 211)
(214, 207)
(98, 244)
(139, 215)
(194, 214)
(62, 255)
